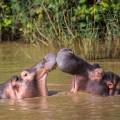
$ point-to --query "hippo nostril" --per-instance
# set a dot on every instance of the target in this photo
(43, 61)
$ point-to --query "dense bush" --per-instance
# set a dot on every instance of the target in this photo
(82, 23)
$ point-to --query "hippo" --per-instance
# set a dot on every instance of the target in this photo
(70, 63)
(31, 82)
(112, 80)
(86, 76)
(108, 80)
(95, 83)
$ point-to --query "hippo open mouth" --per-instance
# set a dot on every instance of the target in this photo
(37, 74)
(31, 82)
(46, 65)
(70, 63)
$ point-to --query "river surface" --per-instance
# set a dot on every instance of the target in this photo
(62, 105)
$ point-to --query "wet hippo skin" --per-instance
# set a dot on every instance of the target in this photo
(112, 80)
(95, 83)
(31, 82)
(70, 63)
(86, 76)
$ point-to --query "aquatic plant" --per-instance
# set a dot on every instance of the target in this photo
(90, 27)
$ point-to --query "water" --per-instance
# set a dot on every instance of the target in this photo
(62, 105)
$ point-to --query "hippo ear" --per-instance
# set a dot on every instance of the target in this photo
(72, 52)
(14, 83)
(15, 78)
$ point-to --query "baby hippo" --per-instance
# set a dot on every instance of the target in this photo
(112, 81)
(95, 84)
(31, 82)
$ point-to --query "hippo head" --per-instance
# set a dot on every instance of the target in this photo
(32, 81)
(70, 63)
(95, 72)
(64, 60)
(47, 64)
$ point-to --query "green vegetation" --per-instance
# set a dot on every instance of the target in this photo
(91, 27)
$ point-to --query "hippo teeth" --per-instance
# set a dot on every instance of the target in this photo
(42, 76)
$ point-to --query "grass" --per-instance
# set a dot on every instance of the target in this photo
(58, 28)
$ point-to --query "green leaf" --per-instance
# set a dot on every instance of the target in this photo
(104, 5)
(7, 22)
(29, 25)
(82, 1)
(82, 24)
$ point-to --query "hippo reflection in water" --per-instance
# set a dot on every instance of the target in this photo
(31, 82)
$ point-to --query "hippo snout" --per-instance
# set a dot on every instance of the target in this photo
(48, 62)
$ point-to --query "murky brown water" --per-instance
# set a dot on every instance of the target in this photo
(62, 105)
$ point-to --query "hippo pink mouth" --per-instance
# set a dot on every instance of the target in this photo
(42, 74)
(41, 78)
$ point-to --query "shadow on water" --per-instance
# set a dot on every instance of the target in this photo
(51, 93)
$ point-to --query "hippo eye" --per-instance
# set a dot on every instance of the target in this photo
(25, 74)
